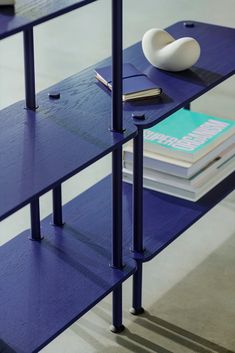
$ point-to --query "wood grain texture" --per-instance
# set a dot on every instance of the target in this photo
(28, 13)
(46, 286)
(39, 150)
(43, 148)
(165, 217)
(215, 65)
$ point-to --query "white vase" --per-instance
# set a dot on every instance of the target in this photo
(167, 53)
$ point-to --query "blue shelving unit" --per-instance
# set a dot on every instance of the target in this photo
(45, 285)
(48, 283)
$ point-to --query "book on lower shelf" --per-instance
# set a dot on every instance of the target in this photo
(181, 178)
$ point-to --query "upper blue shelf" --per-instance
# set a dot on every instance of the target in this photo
(216, 64)
(28, 13)
(43, 148)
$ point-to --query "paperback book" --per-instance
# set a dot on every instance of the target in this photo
(177, 167)
(187, 136)
(193, 182)
(192, 194)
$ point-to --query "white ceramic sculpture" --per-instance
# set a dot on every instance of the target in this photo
(167, 53)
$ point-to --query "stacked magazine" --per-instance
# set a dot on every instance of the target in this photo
(186, 155)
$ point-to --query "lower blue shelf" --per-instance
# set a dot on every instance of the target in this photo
(165, 217)
(45, 286)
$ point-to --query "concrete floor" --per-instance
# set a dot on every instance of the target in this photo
(189, 288)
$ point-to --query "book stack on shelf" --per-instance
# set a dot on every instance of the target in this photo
(186, 155)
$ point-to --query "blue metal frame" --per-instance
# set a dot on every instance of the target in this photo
(57, 215)
(30, 96)
(137, 212)
(117, 127)
(138, 192)
(30, 100)
(35, 220)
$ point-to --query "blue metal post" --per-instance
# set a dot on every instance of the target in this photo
(117, 121)
(138, 192)
(57, 218)
(117, 126)
(137, 212)
(30, 96)
(30, 100)
(35, 220)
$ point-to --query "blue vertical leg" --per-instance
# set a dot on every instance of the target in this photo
(187, 106)
(35, 220)
(117, 325)
(117, 127)
(137, 291)
(30, 101)
(137, 212)
(30, 97)
(57, 217)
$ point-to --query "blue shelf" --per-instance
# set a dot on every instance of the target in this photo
(165, 217)
(28, 13)
(46, 286)
(183, 87)
(43, 148)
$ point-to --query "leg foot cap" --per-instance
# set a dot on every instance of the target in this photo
(134, 311)
(116, 329)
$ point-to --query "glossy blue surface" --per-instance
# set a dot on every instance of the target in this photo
(216, 64)
(40, 149)
(28, 13)
(45, 286)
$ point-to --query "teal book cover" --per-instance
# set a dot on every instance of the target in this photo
(188, 135)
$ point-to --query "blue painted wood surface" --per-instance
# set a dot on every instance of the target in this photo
(40, 149)
(28, 13)
(57, 280)
(165, 217)
(45, 286)
(216, 64)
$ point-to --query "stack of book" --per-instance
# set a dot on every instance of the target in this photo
(186, 155)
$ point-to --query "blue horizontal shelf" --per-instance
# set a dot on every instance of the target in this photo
(165, 217)
(43, 148)
(46, 286)
(215, 65)
(28, 13)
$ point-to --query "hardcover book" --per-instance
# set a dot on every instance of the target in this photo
(136, 85)
(187, 136)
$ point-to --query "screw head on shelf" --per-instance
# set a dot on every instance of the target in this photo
(189, 24)
(54, 95)
(138, 116)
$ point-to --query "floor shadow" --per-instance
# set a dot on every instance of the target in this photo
(180, 335)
